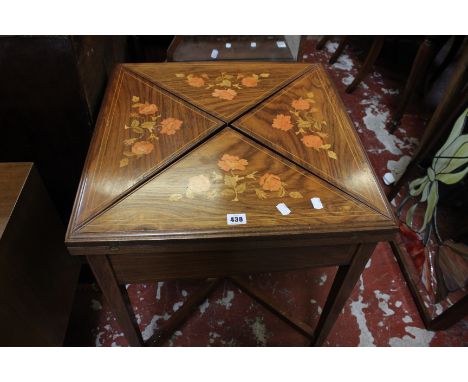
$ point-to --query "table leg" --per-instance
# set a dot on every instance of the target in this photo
(117, 300)
(274, 308)
(183, 314)
(419, 69)
(374, 52)
(343, 284)
(321, 43)
(341, 45)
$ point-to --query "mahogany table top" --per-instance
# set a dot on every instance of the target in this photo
(179, 146)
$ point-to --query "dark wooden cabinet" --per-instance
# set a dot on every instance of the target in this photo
(51, 89)
(37, 276)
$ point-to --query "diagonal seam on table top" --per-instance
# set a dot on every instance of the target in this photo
(358, 139)
(351, 196)
(219, 125)
(127, 68)
(152, 174)
(288, 162)
(316, 171)
(266, 95)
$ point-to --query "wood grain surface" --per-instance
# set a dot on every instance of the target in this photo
(306, 123)
(141, 128)
(231, 174)
(37, 275)
(12, 178)
(205, 84)
(141, 268)
(161, 169)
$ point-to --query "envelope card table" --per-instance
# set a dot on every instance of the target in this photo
(211, 170)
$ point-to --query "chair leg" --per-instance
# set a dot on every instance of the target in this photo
(374, 52)
(176, 41)
(419, 69)
(337, 53)
(300, 51)
(321, 43)
(452, 315)
(453, 51)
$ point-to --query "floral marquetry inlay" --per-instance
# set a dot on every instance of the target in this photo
(235, 179)
(225, 86)
(208, 169)
(307, 123)
(179, 146)
(303, 120)
(144, 126)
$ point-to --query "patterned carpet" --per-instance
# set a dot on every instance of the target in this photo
(380, 312)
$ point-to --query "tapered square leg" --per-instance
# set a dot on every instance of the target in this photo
(341, 289)
(118, 302)
(374, 52)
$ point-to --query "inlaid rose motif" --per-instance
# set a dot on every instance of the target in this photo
(170, 126)
(142, 148)
(232, 162)
(196, 82)
(142, 128)
(224, 86)
(199, 184)
(270, 182)
(300, 104)
(233, 182)
(147, 108)
(227, 94)
(282, 122)
(312, 141)
(309, 128)
(250, 82)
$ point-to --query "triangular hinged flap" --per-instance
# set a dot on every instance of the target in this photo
(223, 89)
(306, 122)
(230, 174)
(141, 128)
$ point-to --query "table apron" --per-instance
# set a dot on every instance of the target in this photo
(140, 268)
